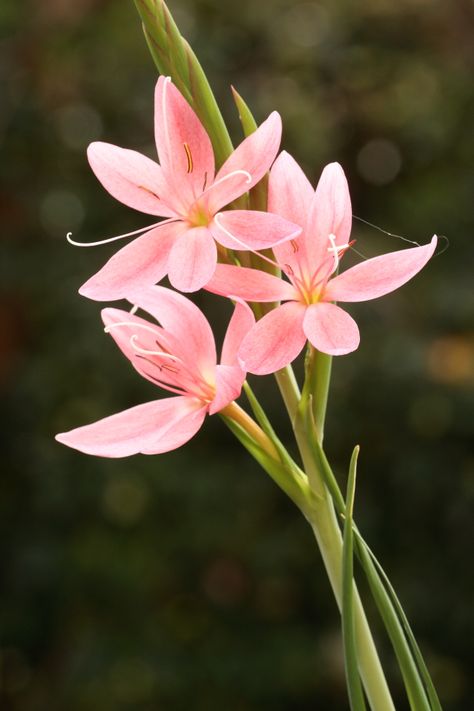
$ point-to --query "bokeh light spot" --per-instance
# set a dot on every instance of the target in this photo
(78, 125)
(60, 212)
(379, 161)
(125, 500)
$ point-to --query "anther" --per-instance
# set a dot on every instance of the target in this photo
(295, 246)
(189, 158)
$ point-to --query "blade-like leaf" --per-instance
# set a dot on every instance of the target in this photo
(423, 670)
(415, 674)
(406, 660)
(354, 686)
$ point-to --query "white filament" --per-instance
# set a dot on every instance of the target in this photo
(248, 179)
(114, 239)
(132, 324)
(335, 249)
(146, 351)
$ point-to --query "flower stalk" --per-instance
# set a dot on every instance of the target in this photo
(247, 225)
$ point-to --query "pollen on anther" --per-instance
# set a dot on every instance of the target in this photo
(189, 158)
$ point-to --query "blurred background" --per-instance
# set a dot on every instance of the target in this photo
(188, 581)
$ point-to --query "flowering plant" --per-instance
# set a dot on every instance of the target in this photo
(259, 243)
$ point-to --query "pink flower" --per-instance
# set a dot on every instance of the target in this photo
(184, 189)
(309, 262)
(179, 356)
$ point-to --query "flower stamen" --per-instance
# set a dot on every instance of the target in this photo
(189, 158)
(335, 249)
(114, 239)
(146, 351)
(248, 179)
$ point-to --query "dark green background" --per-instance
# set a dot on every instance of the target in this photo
(187, 581)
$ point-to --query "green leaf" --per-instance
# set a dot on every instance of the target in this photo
(174, 57)
(416, 652)
(354, 686)
(407, 663)
(415, 674)
(249, 125)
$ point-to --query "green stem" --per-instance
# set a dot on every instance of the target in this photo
(321, 373)
(322, 519)
(289, 390)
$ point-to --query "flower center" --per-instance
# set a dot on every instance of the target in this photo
(198, 215)
(311, 286)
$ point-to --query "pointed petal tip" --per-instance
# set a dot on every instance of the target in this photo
(334, 166)
(90, 290)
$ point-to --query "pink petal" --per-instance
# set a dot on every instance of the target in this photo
(251, 229)
(380, 275)
(193, 260)
(330, 329)
(275, 340)
(254, 155)
(331, 213)
(239, 325)
(150, 428)
(143, 262)
(131, 178)
(133, 334)
(184, 147)
(250, 284)
(186, 324)
(229, 379)
(290, 195)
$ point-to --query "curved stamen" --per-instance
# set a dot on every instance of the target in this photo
(146, 351)
(131, 324)
(163, 384)
(114, 239)
(335, 249)
(248, 179)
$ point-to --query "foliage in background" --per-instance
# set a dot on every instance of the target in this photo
(174, 582)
